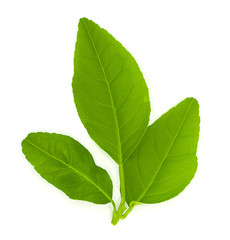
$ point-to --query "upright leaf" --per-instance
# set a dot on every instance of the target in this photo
(165, 161)
(69, 166)
(109, 90)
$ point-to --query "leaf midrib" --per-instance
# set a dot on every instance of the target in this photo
(69, 166)
(151, 182)
(111, 97)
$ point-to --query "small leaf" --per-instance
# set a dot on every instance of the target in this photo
(69, 166)
(165, 161)
(109, 90)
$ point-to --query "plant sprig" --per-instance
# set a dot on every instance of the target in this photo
(155, 162)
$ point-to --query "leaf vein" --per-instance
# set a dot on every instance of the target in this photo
(182, 122)
(74, 169)
(111, 98)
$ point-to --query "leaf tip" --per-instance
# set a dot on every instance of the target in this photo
(194, 100)
(84, 20)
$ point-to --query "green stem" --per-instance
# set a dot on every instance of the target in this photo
(122, 184)
(117, 215)
(116, 218)
(127, 212)
(114, 206)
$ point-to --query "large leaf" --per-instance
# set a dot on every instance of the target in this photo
(165, 161)
(109, 90)
(67, 165)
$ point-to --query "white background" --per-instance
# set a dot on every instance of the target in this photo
(183, 49)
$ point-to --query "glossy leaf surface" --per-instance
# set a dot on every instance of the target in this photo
(66, 164)
(165, 161)
(109, 90)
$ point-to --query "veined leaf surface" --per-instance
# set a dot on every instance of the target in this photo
(165, 161)
(66, 164)
(109, 90)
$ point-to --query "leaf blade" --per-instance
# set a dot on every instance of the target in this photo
(164, 170)
(67, 165)
(110, 104)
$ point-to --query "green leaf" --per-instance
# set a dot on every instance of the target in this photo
(165, 161)
(109, 90)
(69, 166)
(155, 163)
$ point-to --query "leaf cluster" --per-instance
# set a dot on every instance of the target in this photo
(155, 162)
